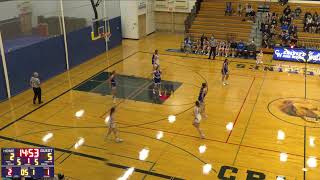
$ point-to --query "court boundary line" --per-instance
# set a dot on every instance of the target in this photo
(46, 103)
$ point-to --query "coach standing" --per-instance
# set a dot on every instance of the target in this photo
(213, 45)
(35, 84)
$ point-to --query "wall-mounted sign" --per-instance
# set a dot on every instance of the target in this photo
(296, 55)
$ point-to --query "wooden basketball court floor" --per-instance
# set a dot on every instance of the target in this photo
(251, 102)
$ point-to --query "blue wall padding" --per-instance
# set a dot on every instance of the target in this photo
(116, 32)
(3, 90)
(46, 57)
(81, 48)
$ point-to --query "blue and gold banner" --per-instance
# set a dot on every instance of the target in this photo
(296, 55)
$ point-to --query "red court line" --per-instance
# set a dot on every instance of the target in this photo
(235, 121)
(219, 141)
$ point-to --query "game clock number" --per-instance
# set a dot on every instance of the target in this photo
(27, 162)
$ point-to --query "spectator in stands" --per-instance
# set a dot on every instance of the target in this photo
(287, 11)
(308, 23)
(240, 48)
(272, 31)
(203, 37)
(248, 9)
(294, 40)
(227, 49)
(239, 9)
(317, 25)
(285, 26)
(187, 44)
(197, 48)
(213, 46)
(233, 47)
(285, 37)
(35, 84)
(315, 16)
(228, 10)
(274, 21)
(265, 41)
(297, 11)
(252, 49)
(283, 2)
(293, 29)
(250, 12)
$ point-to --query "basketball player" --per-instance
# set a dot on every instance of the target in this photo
(155, 59)
(259, 58)
(197, 119)
(202, 95)
(225, 72)
(113, 84)
(112, 126)
(157, 80)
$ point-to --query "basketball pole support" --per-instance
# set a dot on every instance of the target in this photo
(64, 35)
(5, 70)
(105, 24)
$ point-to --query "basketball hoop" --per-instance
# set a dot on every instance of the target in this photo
(100, 36)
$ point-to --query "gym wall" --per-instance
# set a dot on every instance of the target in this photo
(33, 40)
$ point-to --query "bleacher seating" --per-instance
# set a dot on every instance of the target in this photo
(211, 19)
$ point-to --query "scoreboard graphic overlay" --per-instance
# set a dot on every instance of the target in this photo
(27, 162)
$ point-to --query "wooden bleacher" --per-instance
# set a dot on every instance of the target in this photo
(211, 20)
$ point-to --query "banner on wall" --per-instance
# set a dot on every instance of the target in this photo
(296, 55)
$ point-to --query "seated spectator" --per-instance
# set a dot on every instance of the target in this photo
(283, 2)
(297, 11)
(271, 42)
(228, 10)
(282, 19)
(239, 9)
(233, 47)
(293, 29)
(197, 48)
(287, 11)
(272, 30)
(187, 43)
(252, 49)
(285, 37)
(221, 48)
(274, 21)
(248, 10)
(265, 40)
(315, 16)
(285, 26)
(294, 40)
(227, 49)
(308, 23)
(240, 48)
(317, 25)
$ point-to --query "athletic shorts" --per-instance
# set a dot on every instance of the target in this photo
(223, 72)
(157, 81)
(112, 125)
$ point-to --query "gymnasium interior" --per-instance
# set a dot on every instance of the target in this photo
(260, 123)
